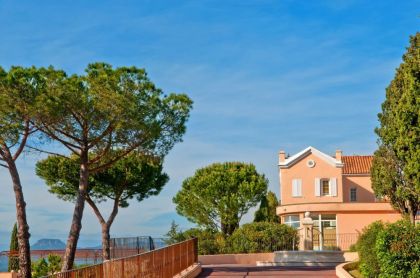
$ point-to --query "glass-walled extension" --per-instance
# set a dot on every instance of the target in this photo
(292, 220)
(325, 232)
(326, 235)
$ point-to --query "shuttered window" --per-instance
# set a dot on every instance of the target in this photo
(317, 187)
(333, 187)
(296, 188)
(326, 187)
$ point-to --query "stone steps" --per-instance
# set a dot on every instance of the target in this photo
(305, 258)
(262, 263)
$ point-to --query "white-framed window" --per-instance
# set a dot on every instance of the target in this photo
(353, 194)
(326, 220)
(326, 187)
(292, 220)
(297, 188)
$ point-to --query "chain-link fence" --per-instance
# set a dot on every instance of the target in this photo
(130, 246)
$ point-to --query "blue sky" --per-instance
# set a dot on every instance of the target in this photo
(264, 76)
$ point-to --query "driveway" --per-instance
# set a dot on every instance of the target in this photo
(237, 271)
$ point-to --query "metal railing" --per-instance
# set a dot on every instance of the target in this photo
(130, 246)
(263, 245)
(334, 241)
(164, 262)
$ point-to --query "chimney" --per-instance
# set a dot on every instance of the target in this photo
(338, 154)
(282, 156)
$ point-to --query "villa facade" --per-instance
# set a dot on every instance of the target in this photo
(335, 190)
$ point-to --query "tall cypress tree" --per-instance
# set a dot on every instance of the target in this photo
(267, 210)
(14, 246)
(395, 170)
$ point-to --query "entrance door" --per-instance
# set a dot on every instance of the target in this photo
(325, 232)
(316, 239)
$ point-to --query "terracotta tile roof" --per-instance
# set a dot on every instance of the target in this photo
(357, 164)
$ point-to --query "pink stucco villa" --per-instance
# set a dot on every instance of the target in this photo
(335, 190)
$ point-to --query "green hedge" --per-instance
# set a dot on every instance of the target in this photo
(391, 250)
(250, 238)
(263, 237)
(209, 242)
(369, 265)
(398, 250)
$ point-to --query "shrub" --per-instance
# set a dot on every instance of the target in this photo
(40, 268)
(263, 237)
(398, 250)
(369, 265)
(54, 263)
(44, 267)
(174, 234)
(209, 242)
(353, 248)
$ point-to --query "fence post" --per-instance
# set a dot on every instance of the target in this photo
(139, 268)
(122, 268)
(112, 247)
(195, 250)
(188, 252)
(293, 242)
(151, 244)
(173, 259)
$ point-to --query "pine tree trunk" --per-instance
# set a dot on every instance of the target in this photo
(23, 228)
(106, 238)
(76, 224)
(106, 226)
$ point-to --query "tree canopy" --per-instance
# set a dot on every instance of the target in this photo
(217, 196)
(396, 164)
(134, 176)
(267, 209)
(96, 113)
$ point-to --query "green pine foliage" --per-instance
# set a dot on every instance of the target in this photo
(44, 267)
(174, 235)
(40, 268)
(267, 209)
(217, 196)
(395, 171)
(14, 246)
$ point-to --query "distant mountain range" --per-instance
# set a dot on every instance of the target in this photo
(48, 244)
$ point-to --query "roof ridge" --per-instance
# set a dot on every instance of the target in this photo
(357, 155)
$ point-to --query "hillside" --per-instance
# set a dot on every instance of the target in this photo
(48, 244)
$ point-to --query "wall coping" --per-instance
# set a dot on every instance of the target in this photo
(191, 272)
(341, 272)
(335, 207)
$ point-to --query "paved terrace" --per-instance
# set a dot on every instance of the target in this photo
(237, 271)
